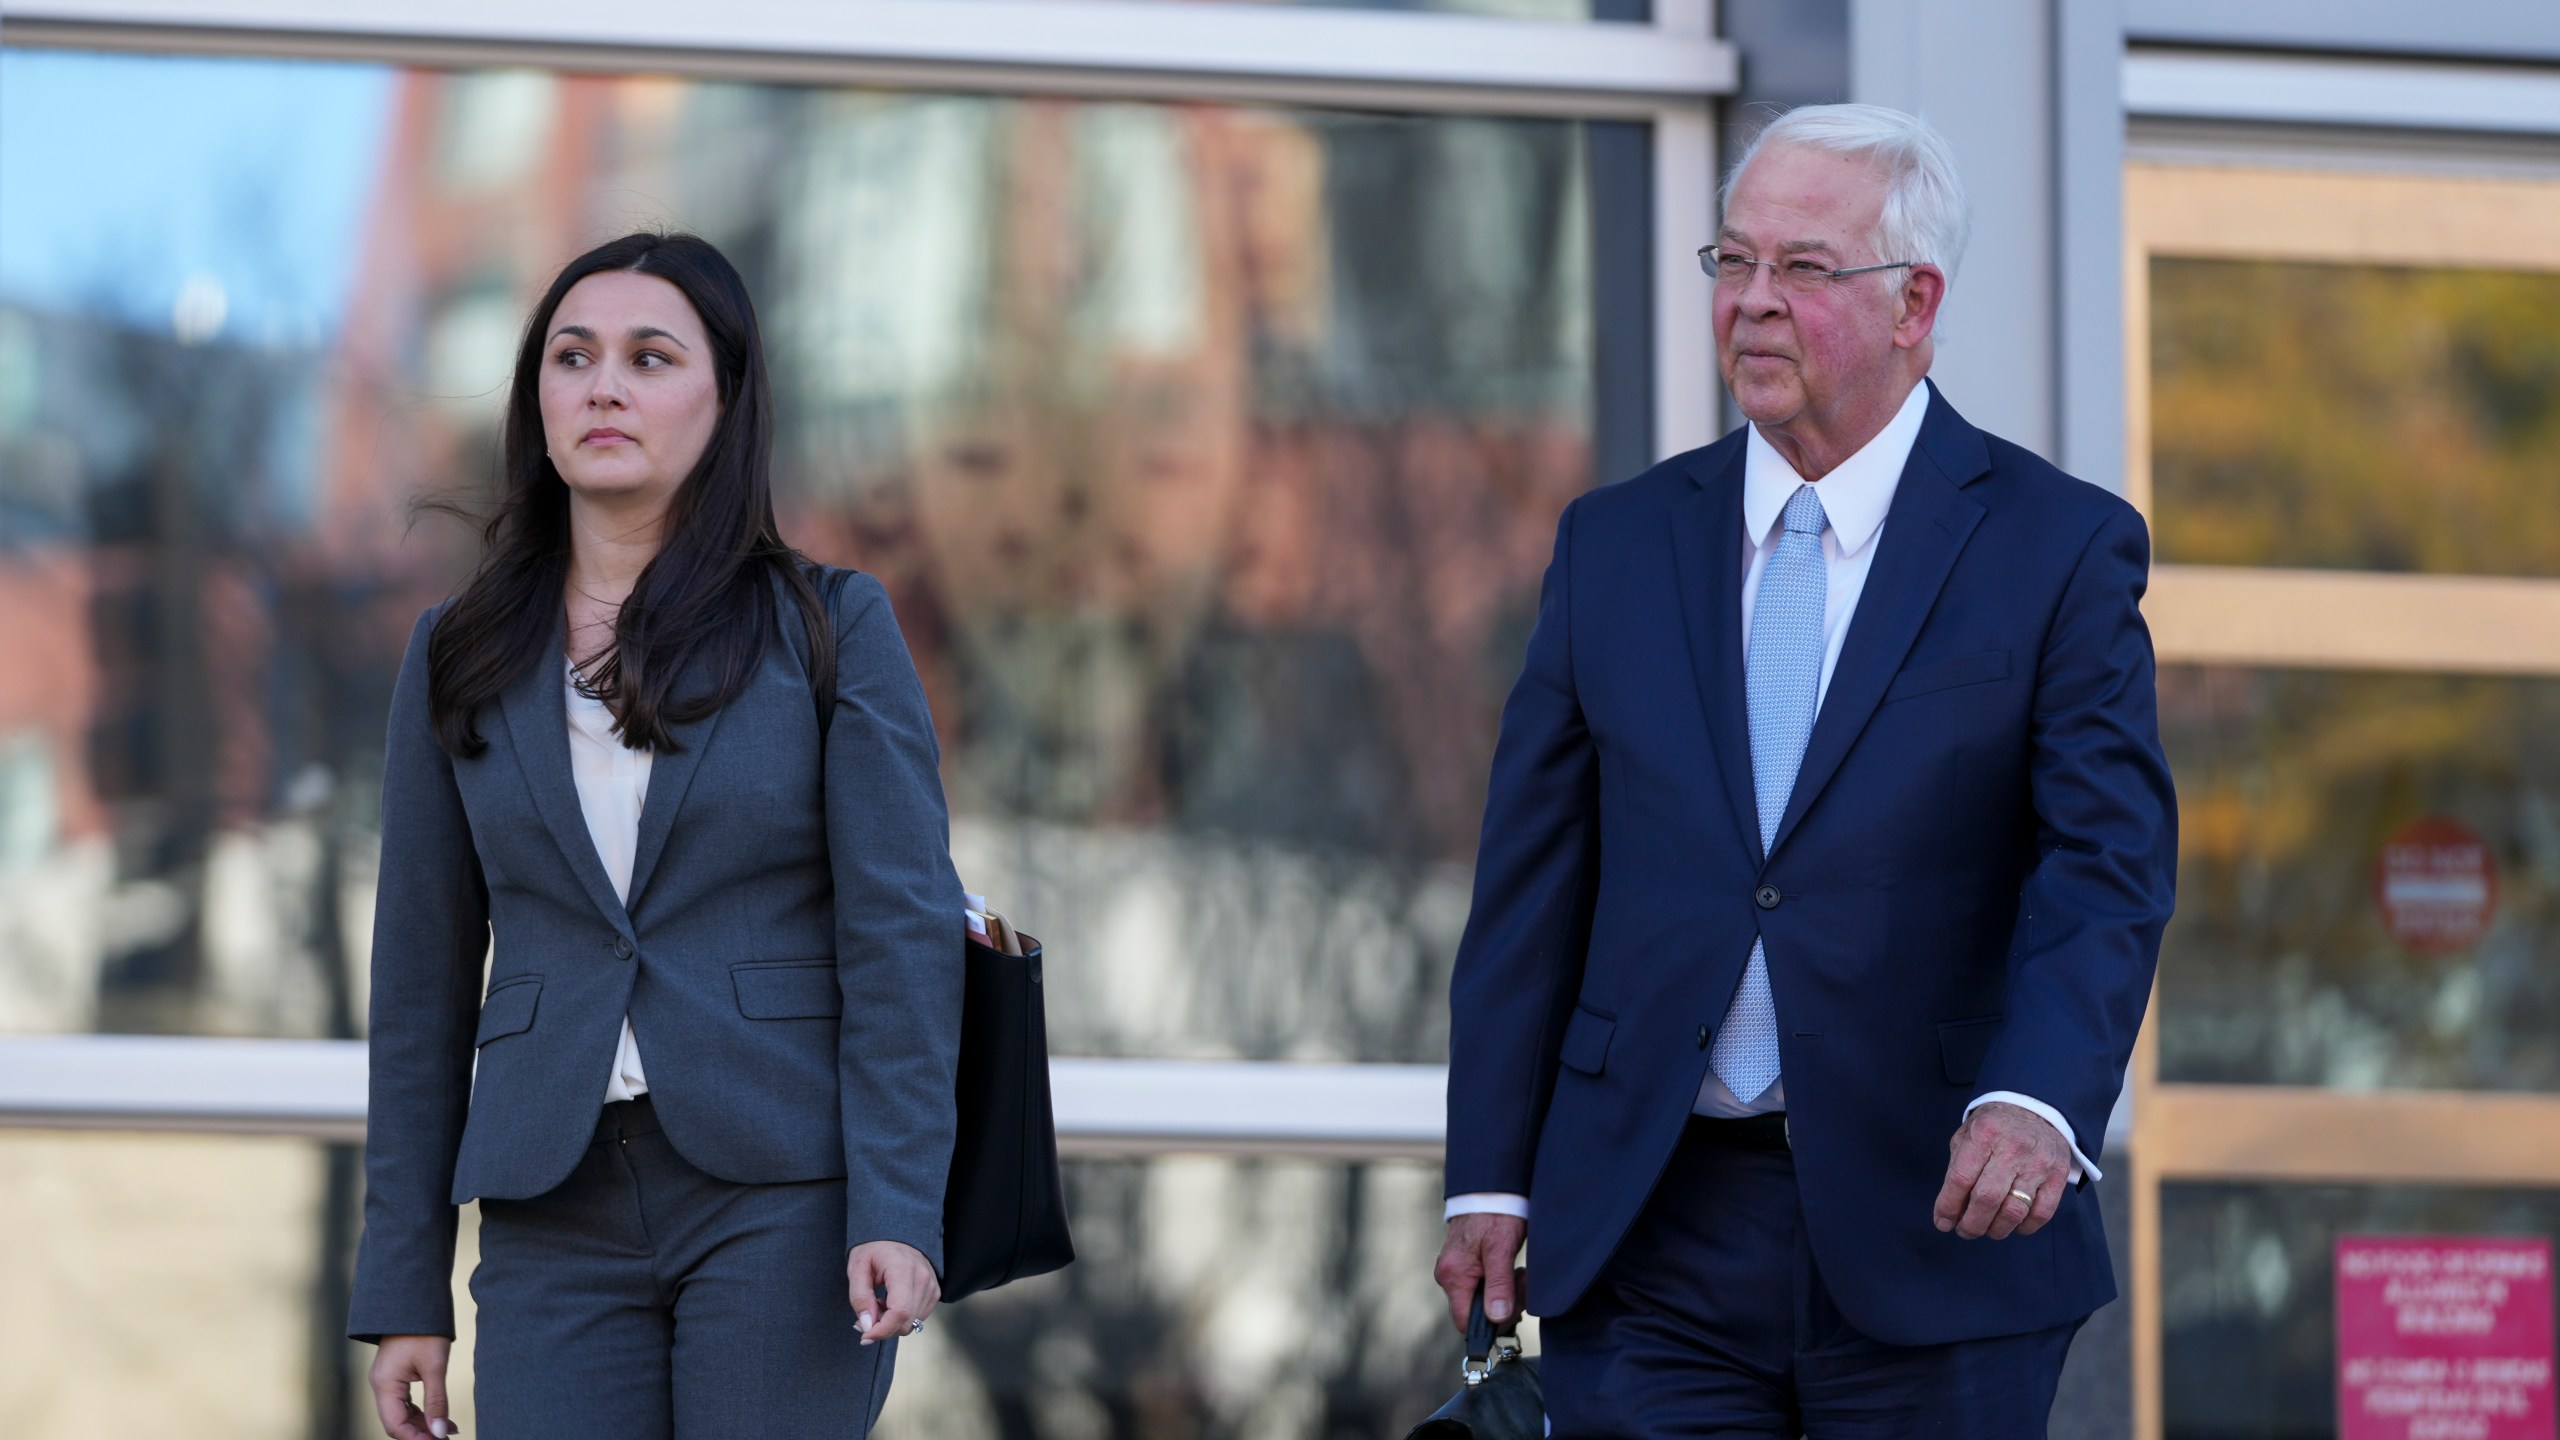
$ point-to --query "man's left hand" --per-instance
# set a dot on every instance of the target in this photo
(2001, 1153)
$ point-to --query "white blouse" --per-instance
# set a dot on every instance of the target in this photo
(613, 780)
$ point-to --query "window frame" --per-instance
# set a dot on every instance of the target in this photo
(2330, 620)
(1665, 74)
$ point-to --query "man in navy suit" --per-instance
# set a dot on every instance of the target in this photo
(1825, 861)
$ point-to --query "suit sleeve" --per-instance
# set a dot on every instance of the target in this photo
(900, 946)
(430, 941)
(2092, 910)
(1520, 962)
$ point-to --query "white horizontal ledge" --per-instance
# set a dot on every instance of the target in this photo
(1173, 44)
(1137, 1106)
(296, 1087)
(316, 1088)
(2380, 93)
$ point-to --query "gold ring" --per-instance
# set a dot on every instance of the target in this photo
(2023, 1195)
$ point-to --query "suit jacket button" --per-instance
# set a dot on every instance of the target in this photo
(621, 948)
(1766, 897)
(1703, 1033)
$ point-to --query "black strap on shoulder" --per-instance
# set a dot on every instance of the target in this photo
(830, 584)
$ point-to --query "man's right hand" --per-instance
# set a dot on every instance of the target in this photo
(405, 1360)
(1483, 1247)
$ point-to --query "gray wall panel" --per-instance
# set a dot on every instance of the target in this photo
(1982, 72)
(2089, 131)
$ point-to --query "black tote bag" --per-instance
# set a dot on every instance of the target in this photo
(1004, 1214)
(1004, 1209)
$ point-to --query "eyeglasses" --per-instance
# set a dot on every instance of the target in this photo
(1801, 277)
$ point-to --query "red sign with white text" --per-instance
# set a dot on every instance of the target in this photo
(2437, 886)
(2444, 1338)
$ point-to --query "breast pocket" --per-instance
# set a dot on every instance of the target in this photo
(1939, 675)
(509, 1008)
(787, 989)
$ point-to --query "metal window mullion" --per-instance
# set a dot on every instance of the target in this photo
(1687, 396)
(1098, 47)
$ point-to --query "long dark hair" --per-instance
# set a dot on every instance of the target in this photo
(704, 602)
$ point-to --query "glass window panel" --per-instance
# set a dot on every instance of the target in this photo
(203, 1276)
(1211, 454)
(2247, 1292)
(178, 1284)
(2330, 930)
(2358, 417)
(1211, 1295)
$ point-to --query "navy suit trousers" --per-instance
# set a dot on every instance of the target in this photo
(642, 1299)
(1712, 1319)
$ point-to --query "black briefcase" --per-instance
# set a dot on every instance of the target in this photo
(1501, 1399)
(1004, 1214)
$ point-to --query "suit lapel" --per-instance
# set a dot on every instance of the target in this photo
(1925, 530)
(1706, 552)
(536, 713)
(670, 776)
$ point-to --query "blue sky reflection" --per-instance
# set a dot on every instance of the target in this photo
(187, 192)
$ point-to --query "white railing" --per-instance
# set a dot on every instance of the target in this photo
(316, 1088)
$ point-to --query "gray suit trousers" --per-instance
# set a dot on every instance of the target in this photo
(642, 1299)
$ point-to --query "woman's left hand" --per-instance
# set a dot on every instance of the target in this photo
(901, 1273)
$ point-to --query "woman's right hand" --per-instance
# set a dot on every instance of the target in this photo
(400, 1362)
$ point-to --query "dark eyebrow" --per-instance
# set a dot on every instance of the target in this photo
(637, 334)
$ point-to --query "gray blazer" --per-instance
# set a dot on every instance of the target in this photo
(791, 957)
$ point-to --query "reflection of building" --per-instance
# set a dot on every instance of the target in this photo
(1211, 493)
(1208, 416)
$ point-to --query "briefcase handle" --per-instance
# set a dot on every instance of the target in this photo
(1486, 1350)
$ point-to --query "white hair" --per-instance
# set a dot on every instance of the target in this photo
(1926, 217)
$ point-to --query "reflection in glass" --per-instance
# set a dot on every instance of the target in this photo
(2355, 417)
(2293, 958)
(2247, 1297)
(1211, 1296)
(177, 1284)
(1211, 455)
(1214, 1296)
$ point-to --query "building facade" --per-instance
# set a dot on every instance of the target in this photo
(1203, 380)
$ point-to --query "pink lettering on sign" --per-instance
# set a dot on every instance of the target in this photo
(2444, 1338)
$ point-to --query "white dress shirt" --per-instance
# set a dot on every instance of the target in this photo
(1856, 494)
(613, 780)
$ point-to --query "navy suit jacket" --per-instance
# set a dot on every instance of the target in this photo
(790, 958)
(1966, 892)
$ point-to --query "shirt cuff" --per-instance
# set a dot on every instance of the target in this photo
(1488, 1202)
(2080, 1164)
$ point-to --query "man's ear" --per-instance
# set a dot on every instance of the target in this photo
(1924, 289)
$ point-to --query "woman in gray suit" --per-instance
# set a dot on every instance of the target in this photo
(679, 790)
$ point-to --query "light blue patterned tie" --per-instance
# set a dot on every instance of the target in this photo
(1783, 683)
